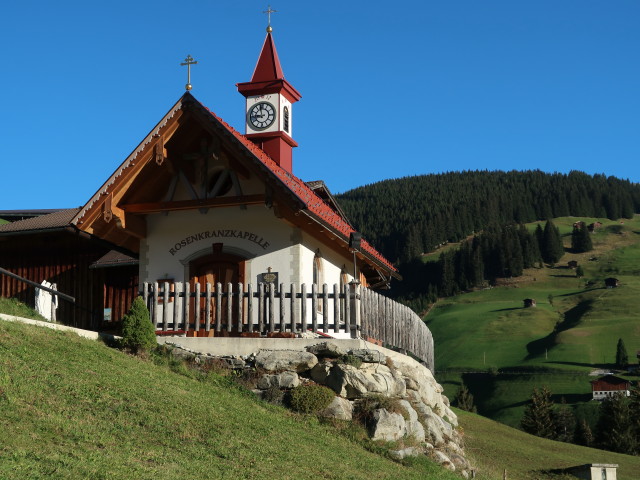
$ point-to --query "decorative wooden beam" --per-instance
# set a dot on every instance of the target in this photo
(159, 152)
(132, 225)
(155, 207)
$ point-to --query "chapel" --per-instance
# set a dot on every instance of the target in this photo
(197, 202)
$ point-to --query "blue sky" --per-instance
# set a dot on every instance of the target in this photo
(389, 89)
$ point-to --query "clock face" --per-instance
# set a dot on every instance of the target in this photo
(261, 115)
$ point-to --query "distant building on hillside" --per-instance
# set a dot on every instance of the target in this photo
(579, 225)
(594, 471)
(573, 264)
(529, 302)
(608, 386)
(611, 282)
(593, 226)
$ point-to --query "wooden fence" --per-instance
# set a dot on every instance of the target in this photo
(271, 310)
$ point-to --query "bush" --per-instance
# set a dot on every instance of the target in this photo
(352, 360)
(138, 333)
(310, 398)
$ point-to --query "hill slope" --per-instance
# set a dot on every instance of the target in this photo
(573, 330)
(72, 408)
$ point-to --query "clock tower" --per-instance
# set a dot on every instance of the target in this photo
(269, 118)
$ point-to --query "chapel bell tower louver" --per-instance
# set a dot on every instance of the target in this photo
(269, 118)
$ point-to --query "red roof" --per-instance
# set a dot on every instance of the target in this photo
(315, 205)
(268, 66)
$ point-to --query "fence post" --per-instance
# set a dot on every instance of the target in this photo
(187, 301)
(196, 327)
(355, 310)
(250, 307)
(218, 307)
(229, 306)
(336, 309)
(240, 305)
(283, 325)
(207, 308)
(303, 307)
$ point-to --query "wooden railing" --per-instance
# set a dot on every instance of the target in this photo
(269, 310)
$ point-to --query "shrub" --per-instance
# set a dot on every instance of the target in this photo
(352, 360)
(138, 333)
(364, 408)
(273, 395)
(310, 398)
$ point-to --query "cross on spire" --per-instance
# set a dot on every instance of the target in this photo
(188, 62)
(269, 11)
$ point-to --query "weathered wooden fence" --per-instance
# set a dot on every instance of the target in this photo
(396, 325)
(271, 310)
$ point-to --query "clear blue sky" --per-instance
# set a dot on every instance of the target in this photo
(389, 89)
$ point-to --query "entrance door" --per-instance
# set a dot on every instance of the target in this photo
(218, 267)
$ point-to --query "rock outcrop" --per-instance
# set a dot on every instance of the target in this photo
(415, 415)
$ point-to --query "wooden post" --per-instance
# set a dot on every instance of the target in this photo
(303, 307)
(292, 309)
(283, 323)
(207, 308)
(347, 310)
(314, 307)
(325, 309)
(187, 301)
(356, 309)
(229, 307)
(240, 305)
(176, 306)
(218, 307)
(261, 307)
(250, 307)
(336, 309)
(196, 327)
(165, 307)
(272, 321)
(155, 304)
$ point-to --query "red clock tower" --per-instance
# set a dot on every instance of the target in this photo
(269, 118)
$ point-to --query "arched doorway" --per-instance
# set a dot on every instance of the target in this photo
(215, 268)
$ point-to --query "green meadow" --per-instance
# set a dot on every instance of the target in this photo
(504, 350)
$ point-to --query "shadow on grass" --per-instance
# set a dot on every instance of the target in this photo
(579, 292)
(507, 309)
(564, 276)
(571, 319)
(602, 366)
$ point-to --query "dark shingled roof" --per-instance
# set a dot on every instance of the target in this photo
(53, 221)
(114, 258)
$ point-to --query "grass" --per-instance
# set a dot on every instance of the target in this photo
(72, 408)
(573, 330)
(495, 448)
(11, 306)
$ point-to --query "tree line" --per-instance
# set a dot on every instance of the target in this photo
(498, 252)
(409, 216)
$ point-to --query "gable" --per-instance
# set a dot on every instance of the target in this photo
(192, 160)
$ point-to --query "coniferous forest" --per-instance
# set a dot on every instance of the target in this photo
(407, 217)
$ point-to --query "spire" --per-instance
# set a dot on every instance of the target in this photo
(268, 67)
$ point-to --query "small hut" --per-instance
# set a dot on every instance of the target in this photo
(611, 282)
(529, 302)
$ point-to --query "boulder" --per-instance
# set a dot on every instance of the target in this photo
(387, 426)
(326, 350)
(280, 380)
(368, 356)
(274, 360)
(405, 452)
(350, 382)
(339, 408)
(414, 428)
(442, 460)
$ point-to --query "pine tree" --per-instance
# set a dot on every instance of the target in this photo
(552, 249)
(615, 430)
(464, 399)
(622, 358)
(581, 239)
(138, 333)
(537, 419)
(564, 422)
(583, 435)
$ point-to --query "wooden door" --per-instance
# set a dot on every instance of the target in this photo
(223, 268)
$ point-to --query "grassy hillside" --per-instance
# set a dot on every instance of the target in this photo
(72, 408)
(496, 447)
(573, 330)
